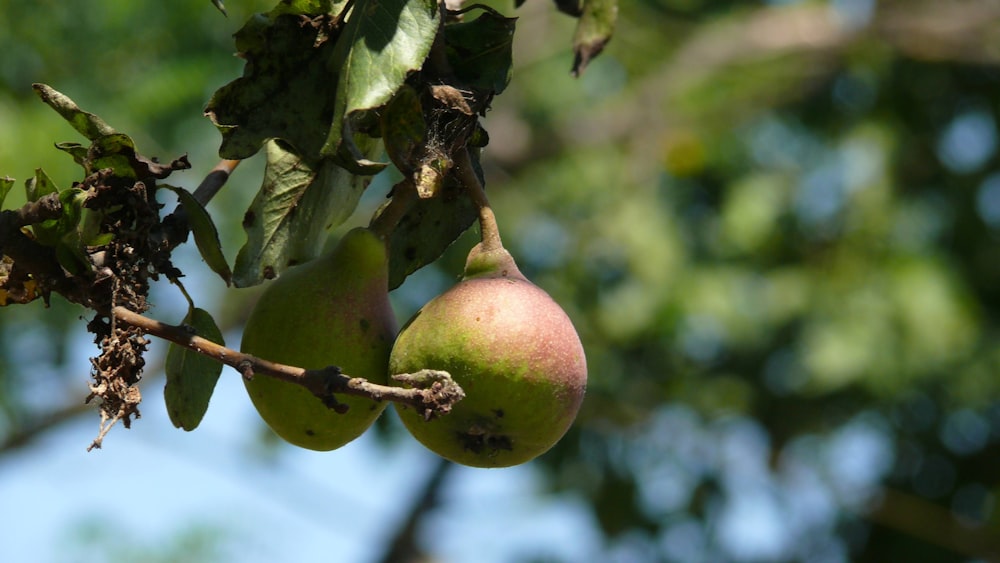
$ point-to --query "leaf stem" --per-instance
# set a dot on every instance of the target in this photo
(433, 393)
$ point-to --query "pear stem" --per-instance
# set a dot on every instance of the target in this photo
(433, 393)
(404, 194)
(489, 231)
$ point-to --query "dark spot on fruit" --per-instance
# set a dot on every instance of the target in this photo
(310, 432)
(269, 272)
(477, 443)
(365, 325)
(410, 253)
(498, 413)
(248, 219)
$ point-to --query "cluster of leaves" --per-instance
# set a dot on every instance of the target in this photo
(329, 86)
(323, 96)
(98, 244)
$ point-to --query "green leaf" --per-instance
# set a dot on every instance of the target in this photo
(593, 31)
(90, 228)
(382, 43)
(115, 151)
(308, 7)
(76, 150)
(39, 185)
(6, 183)
(88, 124)
(206, 236)
(428, 228)
(287, 89)
(479, 51)
(287, 221)
(191, 376)
(404, 129)
(64, 228)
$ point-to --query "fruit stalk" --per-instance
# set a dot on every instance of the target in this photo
(490, 232)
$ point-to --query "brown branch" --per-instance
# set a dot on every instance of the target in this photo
(466, 175)
(214, 181)
(935, 524)
(23, 434)
(432, 392)
(404, 545)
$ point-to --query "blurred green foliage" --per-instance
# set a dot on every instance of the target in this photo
(775, 226)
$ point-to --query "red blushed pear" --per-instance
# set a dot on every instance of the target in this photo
(332, 311)
(514, 352)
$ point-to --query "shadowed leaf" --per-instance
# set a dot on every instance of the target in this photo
(206, 236)
(428, 228)
(287, 88)
(191, 376)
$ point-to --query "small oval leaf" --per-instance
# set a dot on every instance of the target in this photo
(191, 377)
(206, 236)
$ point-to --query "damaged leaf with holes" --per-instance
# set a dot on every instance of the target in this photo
(287, 89)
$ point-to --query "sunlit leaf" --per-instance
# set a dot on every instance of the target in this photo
(593, 31)
(191, 376)
(287, 221)
(88, 124)
(6, 183)
(76, 150)
(115, 151)
(382, 43)
(39, 185)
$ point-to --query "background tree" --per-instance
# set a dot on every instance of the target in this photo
(774, 224)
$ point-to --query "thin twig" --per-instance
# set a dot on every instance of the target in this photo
(432, 393)
(404, 546)
(214, 181)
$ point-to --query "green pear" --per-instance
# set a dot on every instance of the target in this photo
(331, 311)
(514, 352)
